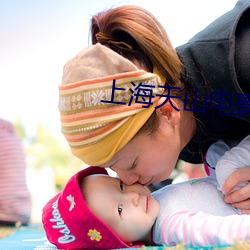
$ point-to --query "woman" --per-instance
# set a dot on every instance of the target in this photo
(206, 95)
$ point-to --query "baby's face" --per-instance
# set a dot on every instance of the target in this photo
(130, 211)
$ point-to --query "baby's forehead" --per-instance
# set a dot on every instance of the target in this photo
(98, 177)
(95, 176)
(96, 182)
(99, 183)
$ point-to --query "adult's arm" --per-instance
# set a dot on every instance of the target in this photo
(233, 175)
(239, 198)
(15, 199)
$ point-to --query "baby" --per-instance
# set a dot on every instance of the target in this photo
(96, 211)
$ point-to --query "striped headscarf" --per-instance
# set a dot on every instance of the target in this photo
(104, 100)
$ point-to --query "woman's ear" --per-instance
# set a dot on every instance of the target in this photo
(169, 110)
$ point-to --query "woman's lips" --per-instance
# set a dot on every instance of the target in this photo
(148, 183)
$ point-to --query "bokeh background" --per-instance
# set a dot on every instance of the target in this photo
(36, 39)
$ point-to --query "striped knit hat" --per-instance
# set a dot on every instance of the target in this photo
(104, 100)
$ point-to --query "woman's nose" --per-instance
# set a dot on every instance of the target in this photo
(126, 177)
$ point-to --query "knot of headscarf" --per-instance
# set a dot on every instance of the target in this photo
(105, 39)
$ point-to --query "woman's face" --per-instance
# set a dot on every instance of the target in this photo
(148, 159)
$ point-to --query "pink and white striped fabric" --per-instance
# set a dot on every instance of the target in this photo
(194, 212)
(202, 229)
(15, 200)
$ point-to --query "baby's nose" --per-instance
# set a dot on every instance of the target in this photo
(133, 197)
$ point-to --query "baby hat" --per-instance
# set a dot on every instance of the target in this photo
(104, 100)
(69, 223)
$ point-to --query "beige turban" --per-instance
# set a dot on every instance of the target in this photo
(104, 100)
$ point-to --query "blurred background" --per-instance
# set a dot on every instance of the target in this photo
(37, 38)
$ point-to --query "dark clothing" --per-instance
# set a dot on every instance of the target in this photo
(218, 59)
